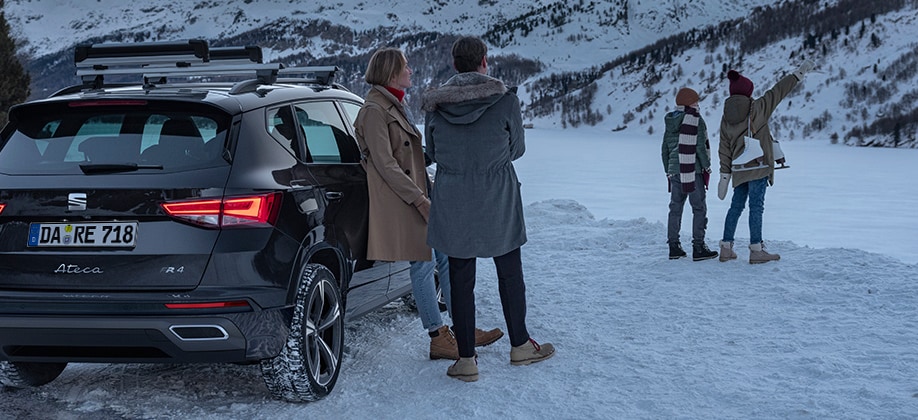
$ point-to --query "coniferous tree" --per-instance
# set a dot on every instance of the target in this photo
(14, 81)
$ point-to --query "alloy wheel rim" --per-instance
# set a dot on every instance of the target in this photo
(322, 329)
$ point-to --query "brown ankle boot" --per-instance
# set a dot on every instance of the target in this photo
(758, 255)
(443, 345)
(483, 338)
(726, 251)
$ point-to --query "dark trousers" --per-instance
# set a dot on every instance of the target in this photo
(677, 203)
(512, 299)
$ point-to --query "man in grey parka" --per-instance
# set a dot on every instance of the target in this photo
(473, 131)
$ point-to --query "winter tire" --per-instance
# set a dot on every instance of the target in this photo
(307, 367)
(25, 375)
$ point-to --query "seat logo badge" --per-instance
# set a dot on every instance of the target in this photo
(76, 201)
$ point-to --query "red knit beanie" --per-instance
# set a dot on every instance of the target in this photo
(739, 85)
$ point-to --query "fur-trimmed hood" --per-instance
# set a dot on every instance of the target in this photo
(464, 97)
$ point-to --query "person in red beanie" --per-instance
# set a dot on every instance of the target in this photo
(687, 163)
(744, 116)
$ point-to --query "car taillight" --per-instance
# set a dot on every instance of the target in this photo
(261, 209)
(2, 206)
(241, 211)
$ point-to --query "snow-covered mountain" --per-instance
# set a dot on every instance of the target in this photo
(615, 64)
(49, 25)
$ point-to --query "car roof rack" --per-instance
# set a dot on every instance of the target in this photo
(323, 75)
(316, 75)
(158, 61)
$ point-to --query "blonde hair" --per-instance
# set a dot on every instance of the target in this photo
(384, 65)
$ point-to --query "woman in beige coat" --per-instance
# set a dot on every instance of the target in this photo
(399, 204)
(394, 161)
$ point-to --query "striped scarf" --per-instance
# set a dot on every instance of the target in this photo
(688, 141)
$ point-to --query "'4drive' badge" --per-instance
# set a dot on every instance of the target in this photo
(76, 201)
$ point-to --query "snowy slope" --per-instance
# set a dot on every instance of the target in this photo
(827, 332)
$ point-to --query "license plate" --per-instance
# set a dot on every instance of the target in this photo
(77, 235)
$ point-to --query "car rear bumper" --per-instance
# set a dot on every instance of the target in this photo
(237, 337)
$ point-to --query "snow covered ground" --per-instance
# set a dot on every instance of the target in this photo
(830, 331)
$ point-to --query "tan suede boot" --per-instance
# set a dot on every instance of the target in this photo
(726, 251)
(483, 338)
(758, 255)
(465, 369)
(443, 345)
(530, 352)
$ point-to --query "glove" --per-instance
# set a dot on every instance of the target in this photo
(804, 68)
(723, 185)
(706, 174)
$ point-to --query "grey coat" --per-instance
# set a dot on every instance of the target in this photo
(733, 128)
(474, 130)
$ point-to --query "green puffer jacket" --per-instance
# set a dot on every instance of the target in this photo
(671, 144)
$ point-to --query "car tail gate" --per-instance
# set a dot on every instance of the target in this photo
(86, 190)
(100, 239)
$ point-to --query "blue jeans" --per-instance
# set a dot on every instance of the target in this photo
(755, 192)
(424, 289)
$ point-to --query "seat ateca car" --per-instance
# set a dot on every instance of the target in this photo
(189, 218)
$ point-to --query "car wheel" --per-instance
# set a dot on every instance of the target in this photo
(307, 367)
(24, 374)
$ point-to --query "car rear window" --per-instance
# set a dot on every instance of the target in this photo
(59, 138)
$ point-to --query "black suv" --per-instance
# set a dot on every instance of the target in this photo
(188, 218)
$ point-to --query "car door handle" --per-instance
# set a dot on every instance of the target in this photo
(334, 195)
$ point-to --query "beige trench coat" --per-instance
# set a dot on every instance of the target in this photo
(396, 179)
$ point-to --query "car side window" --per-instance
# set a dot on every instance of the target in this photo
(350, 110)
(326, 138)
(283, 128)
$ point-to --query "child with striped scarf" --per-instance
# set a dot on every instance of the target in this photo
(687, 162)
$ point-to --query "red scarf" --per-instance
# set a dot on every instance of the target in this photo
(399, 94)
